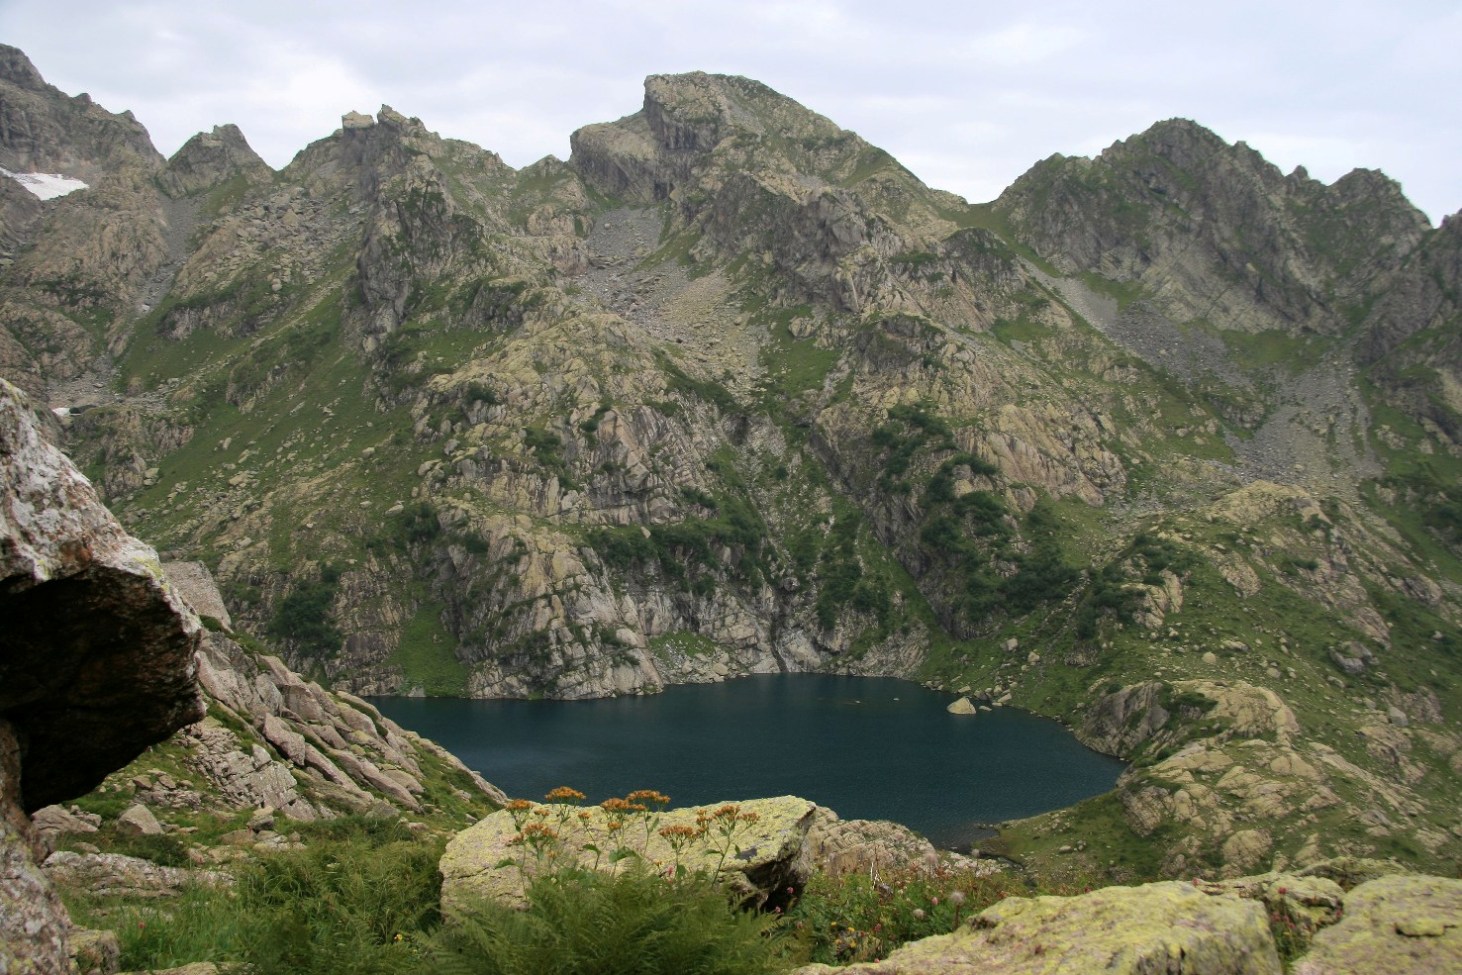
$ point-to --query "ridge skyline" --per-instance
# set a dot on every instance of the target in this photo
(967, 99)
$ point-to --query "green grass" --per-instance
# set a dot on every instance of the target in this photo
(794, 366)
(338, 905)
(427, 654)
(683, 642)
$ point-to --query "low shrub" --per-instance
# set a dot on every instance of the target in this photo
(840, 920)
(595, 924)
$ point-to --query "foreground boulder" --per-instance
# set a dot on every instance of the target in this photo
(96, 663)
(759, 847)
(96, 651)
(755, 846)
(1392, 924)
(1171, 928)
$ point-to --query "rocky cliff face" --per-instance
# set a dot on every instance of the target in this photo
(731, 391)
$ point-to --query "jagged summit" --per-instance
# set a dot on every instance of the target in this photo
(17, 69)
(44, 130)
(210, 158)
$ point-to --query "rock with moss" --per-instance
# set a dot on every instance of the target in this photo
(755, 846)
(1401, 925)
(1166, 927)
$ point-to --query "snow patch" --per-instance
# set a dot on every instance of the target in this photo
(46, 186)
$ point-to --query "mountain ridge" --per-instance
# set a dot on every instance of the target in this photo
(731, 391)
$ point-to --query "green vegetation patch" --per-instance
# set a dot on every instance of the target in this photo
(302, 618)
(427, 654)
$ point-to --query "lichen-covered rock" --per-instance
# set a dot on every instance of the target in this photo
(1303, 904)
(1169, 928)
(95, 952)
(113, 874)
(755, 846)
(843, 846)
(1406, 925)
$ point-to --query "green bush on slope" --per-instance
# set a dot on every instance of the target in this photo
(593, 924)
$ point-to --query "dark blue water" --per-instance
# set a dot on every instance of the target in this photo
(866, 747)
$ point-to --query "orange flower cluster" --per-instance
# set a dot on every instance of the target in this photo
(650, 796)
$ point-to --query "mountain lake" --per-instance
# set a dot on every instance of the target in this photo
(865, 747)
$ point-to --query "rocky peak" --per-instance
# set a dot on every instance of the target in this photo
(1179, 140)
(44, 130)
(17, 69)
(689, 112)
(1176, 208)
(211, 158)
(695, 120)
(364, 153)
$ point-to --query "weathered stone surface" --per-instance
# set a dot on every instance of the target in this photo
(842, 846)
(139, 821)
(112, 874)
(96, 663)
(1305, 903)
(95, 952)
(53, 821)
(962, 706)
(195, 584)
(96, 657)
(33, 924)
(349, 752)
(1168, 928)
(762, 853)
(1406, 925)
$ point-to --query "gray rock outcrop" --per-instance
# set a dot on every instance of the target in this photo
(115, 875)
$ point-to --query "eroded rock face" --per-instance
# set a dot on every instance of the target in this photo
(96, 656)
(33, 924)
(112, 874)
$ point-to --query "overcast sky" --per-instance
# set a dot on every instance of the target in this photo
(967, 95)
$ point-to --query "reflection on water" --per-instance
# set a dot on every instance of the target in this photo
(866, 747)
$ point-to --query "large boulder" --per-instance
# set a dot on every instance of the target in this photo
(1406, 925)
(1172, 928)
(755, 846)
(96, 650)
(758, 847)
(96, 663)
